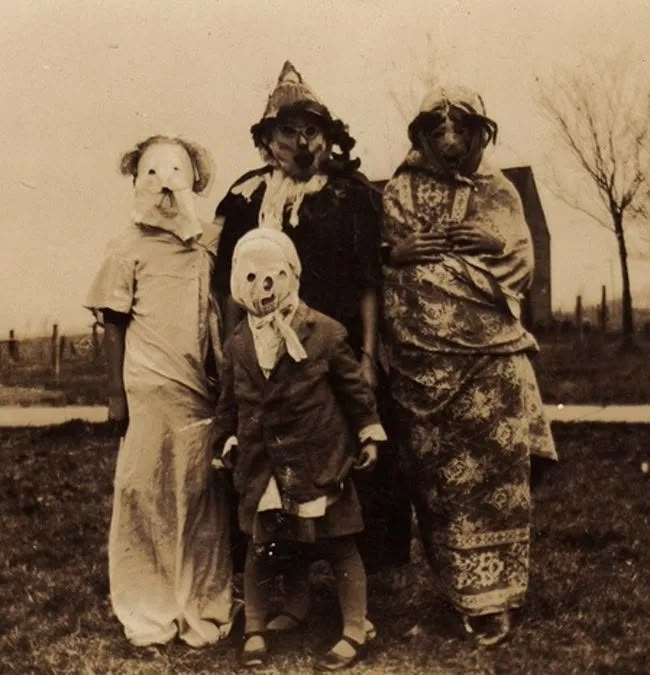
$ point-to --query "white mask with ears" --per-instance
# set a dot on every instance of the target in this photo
(164, 195)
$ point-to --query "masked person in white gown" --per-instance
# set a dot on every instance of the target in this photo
(169, 548)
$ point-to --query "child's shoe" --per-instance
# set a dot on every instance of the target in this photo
(255, 653)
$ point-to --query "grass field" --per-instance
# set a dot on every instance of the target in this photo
(588, 608)
(80, 382)
(593, 371)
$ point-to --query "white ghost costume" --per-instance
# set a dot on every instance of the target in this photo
(169, 543)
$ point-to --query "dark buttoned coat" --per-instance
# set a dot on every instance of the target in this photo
(301, 423)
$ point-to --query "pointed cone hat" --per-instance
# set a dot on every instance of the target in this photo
(291, 90)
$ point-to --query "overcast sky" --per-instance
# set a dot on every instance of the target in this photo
(83, 81)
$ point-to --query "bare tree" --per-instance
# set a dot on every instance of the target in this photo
(601, 114)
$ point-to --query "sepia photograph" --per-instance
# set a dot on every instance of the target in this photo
(325, 337)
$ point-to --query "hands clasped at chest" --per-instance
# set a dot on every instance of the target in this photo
(427, 247)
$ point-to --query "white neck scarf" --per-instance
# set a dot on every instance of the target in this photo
(282, 191)
(271, 330)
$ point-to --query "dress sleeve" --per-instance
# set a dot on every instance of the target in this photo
(397, 209)
(114, 284)
(499, 209)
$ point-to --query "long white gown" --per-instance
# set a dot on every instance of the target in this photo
(169, 544)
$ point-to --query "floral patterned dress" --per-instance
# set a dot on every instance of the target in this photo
(469, 408)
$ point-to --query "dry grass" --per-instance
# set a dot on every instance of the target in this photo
(588, 609)
(594, 371)
(80, 382)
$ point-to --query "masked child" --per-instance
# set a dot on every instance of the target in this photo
(301, 417)
(169, 551)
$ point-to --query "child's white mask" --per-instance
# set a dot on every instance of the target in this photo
(264, 273)
(164, 195)
(265, 281)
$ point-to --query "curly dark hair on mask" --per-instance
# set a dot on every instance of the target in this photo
(341, 162)
(483, 131)
(335, 131)
(428, 121)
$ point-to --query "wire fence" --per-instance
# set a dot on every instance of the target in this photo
(51, 352)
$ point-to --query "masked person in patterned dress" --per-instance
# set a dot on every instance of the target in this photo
(457, 259)
(310, 189)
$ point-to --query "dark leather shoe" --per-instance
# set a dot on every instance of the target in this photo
(332, 661)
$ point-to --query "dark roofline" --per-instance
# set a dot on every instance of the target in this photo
(523, 178)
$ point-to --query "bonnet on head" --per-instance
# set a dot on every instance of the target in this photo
(459, 96)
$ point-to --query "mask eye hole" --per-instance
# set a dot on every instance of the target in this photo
(176, 168)
(288, 131)
(282, 274)
(151, 172)
(250, 277)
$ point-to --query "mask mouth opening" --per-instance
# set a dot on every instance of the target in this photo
(304, 159)
(167, 205)
(267, 303)
(452, 160)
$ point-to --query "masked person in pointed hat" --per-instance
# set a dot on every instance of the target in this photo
(458, 258)
(309, 189)
(296, 417)
(169, 550)
(315, 195)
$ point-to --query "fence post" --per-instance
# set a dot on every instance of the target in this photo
(13, 346)
(603, 312)
(96, 350)
(56, 351)
(579, 326)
